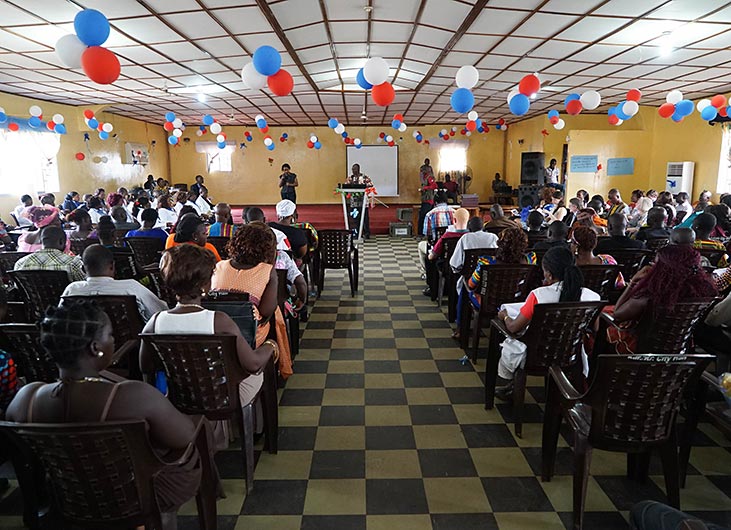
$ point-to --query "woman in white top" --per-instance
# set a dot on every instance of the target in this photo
(638, 217)
(187, 271)
(166, 215)
(562, 282)
(181, 199)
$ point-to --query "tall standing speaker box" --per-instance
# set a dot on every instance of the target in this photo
(532, 168)
(529, 190)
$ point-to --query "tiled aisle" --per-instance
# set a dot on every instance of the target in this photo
(383, 428)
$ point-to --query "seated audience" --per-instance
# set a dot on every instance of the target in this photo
(583, 196)
(451, 187)
(534, 223)
(722, 213)
(224, 226)
(574, 208)
(82, 220)
(120, 218)
(461, 217)
(99, 266)
(286, 212)
(71, 202)
(51, 256)
(499, 220)
(5, 239)
(636, 196)
(191, 229)
(48, 199)
(148, 229)
(202, 202)
(563, 282)
(41, 217)
(683, 207)
(618, 239)
(558, 233)
(665, 199)
(598, 207)
(313, 245)
(196, 186)
(253, 251)
(656, 219)
(583, 243)
(96, 209)
(638, 217)
(651, 194)
(588, 217)
(26, 201)
(78, 336)
(475, 238)
(441, 216)
(704, 198)
(615, 203)
(165, 212)
(559, 212)
(703, 226)
(254, 214)
(181, 200)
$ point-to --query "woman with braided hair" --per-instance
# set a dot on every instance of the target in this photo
(78, 336)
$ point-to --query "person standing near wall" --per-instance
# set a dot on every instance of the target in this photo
(356, 200)
(428, 186)
(288, 184)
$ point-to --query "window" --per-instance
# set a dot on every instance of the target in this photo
(28, 162)
(724, 163)
(452, 158)
(216, 159)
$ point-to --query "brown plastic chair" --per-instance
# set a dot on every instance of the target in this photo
(312, 258)
(7, 263)
(40, 289)
(203, 375)
(536, 237)
(220, 243)
(553, 338)
(495, 230)
(337, 252)
(125, 267)
(448, 279)
(600, 278)
(157, 285)
(499, 284)
(146, 250)
(78, 246)
(632, 260)
(23, 342)
(471, 256)
(655, 243)
(293, 323)
(103, 473)
(630, 407)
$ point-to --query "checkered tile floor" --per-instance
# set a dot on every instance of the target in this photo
(383, 428)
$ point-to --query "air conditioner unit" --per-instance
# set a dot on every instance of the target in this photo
(679, 177)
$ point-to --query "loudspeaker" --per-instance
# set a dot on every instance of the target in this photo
(532, 168)
(531, 191)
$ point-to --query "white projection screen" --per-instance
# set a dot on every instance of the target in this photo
(380, 163)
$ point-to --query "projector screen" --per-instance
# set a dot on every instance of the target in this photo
(380, 163)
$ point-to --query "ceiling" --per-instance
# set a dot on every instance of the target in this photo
(167, 46)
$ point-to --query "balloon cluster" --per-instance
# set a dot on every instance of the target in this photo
(474, 123)
(248, 137)
(462, 99)
(95, 125)
(555, 119)
(519, 98)
(373, 77)
(261, 123)
(284, 137)
(398, 123)
(627, 108)
(175, 127)
(201, 130)
(84, 49)
(714, 107)
(35, 121)
(339, 128)
(265, 69)
(383, 137)
(212, 125)
(314, 142)
(501, 125)
(418, 136)
(445, 134)
(575, 103)
(676, 107)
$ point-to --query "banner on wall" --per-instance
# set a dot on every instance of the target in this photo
(620, 166)
(584, 164)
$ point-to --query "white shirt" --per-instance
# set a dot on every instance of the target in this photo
(552, 175)
(203, 205)
(147, 303)
(166, 216)
(18, 212)
(466, 242)
(284, 262)
(179, 206)
(95, 214)
(282, 241)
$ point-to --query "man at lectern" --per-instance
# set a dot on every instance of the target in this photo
(356, 200)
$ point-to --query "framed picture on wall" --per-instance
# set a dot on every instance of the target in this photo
(136, 154)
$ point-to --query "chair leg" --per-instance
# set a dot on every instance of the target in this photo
(294, 335)
(270, 408)
(519, 380)
(475, 332)
(669, 456)
(464, 324)
(582, 463)
(352, 280)
(551, 430)
(440, 291)
(320, 281)
(247, 445)
(206, 497)
(356, 269)
(451, 297)
(493, 357)
(696, 407)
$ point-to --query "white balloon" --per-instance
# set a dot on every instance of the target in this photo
(560, 124)
(444, 131)
(467, 76)
(340, 129)
(220, 138)
(313, 138)
(402, 127)
(702, 104)
(590, 99)
(258, 117)
(215, 127)
(674, 96)
(35, 110)
(2, 110)
(177, 123)
(375, 71)
(513, 93)
(199, 133)
(357, 141)
(472, 115)
(268, 141)
(379, 139)
(251, 78)
(70, 49)
(389, 138)
(107, 127)
(630, 108)
(468, 133)
(57, 118)
(454, 129)
(415, 134)
(619, 122)
(177, 133)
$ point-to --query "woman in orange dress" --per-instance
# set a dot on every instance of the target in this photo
(253, 251)
(191, 229)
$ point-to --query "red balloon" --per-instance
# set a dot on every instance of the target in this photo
(247, 133)
(399, 117)
(88, 114)
(463, 132)
(100, 127)
(634, 95)
(265, 129)
(168, 126)
(574, 107)
(718, 101)
(471, 125)
(529, 85)
(310, 145)
(382, 135)
(486, 129)
(501, 122)
(554, 120)
(51, 125)
(80, 156)
(100, 65)
(723, 112)
(383, 94)
(390, 144)
(666, 110)
(13, 127)
(281, 83)
(281, 138)
(613, 119)
(451, 133)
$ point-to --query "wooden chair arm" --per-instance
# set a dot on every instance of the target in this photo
(567, 390)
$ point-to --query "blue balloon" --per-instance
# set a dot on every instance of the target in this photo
(93, 123)
(208, 119)
(359, 146)
(34, 121)
(344, 135)
(498, 127)
(222, 145)
(361, 80)
(3, 117)
(249, 138)
(519, 104)
(285, 135)
(169, 116)
(60, 128)
(478, 123)
(261, 123)
(480, 130)
(612, 111)
(462, 100)
(267, 60)
(709, 113)
(103, 135)
(619, 113)
(570, 97)
(172, 140)
(419, 138)
(684, 107)
(728, 113)
(92, 27)
(396, 124)
(332, 123)
(318, 145)
(440, 134)
(270, 147)
(202, 127)
(553, 114)
(677, 117)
